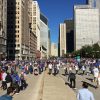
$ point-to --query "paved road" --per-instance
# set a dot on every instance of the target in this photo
(33, 90)
(79, 79)
(55, 89)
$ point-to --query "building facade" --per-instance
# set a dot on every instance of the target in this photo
(86, 26)
(49, 44)
(62, 39)
(44, 36)
(54, 50)
(69, 35)
(91, 3)
(36, 22)
(32, 35)
(17, 30)
(3, 28)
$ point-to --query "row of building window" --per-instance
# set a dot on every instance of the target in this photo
(12, 3)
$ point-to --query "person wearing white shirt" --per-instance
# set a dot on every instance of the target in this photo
(83, 69)
(4, 74)
(95, 73)
(50, 68)
(76, 68)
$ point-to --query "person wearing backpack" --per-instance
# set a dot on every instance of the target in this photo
(72, 80)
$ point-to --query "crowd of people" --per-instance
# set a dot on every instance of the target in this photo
(85, 67)
(72, 68)
(13, 73)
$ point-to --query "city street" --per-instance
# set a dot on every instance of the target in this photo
(44, 87)
(79, 79)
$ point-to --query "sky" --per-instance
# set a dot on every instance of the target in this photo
(57, 11)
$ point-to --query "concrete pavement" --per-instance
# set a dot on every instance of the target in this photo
(54, 88)
(79, 79)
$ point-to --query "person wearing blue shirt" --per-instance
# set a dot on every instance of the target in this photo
(85, 94)
(9, 95)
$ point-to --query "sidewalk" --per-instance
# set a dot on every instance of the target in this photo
(54, 88)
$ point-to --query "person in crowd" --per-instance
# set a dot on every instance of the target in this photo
(36, 67)
(31, 68)
(70, 69)
(4, 85)
(96, 74)
(84, 93)
(0, 74)
(72, 80)
(23, 82)
(55, 69)
(50, 68)
(16, 82)
(9, 95)
(8, 79)
(76, 68)
(98, 80)
(83, 69)
(58, 68)
(65, 70)
(39, 67)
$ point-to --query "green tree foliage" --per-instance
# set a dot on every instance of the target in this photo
(89, 51)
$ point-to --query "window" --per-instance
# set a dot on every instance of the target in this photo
(18, 45)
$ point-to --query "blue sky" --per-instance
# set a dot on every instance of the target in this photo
(57, 11)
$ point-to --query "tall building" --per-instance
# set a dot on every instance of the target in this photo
(69, 35)
(54, 50)
(49, 44)
(30, 11)
(17, 29)
(92, 3)
(32, 35)
(98, 4)
(36, 22)
(44, 36)
(86, 26)
(3, 28)
(62, 40)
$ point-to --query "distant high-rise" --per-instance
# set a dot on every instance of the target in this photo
(54, 50)
(62, 40)
(92, 3)
(98, 4)
(69, 35)
(3, 28)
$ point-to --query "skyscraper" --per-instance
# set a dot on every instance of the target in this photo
(54, 50)
(62, 40)
(98, 4)
(44, 36)
(36, 22)
(86, 26)
(32, 35)
(3, 28)
(69, 35)
(17, 29)
(91, 3)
